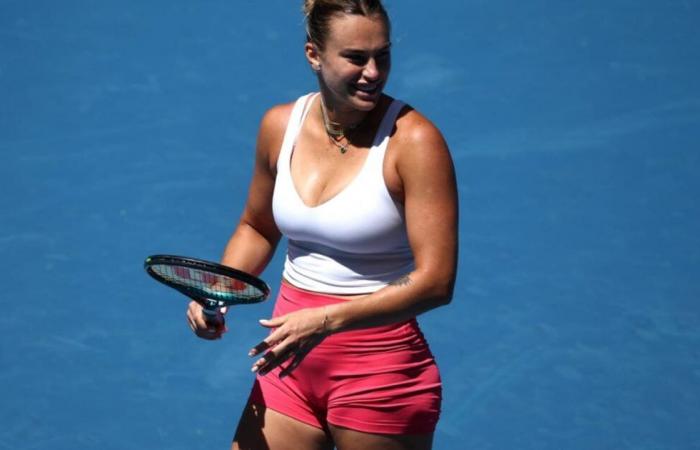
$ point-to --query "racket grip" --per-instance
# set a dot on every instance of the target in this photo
(212, 315)
(210, 312)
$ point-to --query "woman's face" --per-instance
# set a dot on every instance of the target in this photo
(355, 62)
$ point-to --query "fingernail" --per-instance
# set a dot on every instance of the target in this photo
(254, 369)
(251, 353)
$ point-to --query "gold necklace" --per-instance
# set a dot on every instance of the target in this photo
(335, 131)
(342, 147)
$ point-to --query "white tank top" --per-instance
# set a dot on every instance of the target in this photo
(354, 243)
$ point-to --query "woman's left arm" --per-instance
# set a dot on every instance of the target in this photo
(428, 186)
(425, 179)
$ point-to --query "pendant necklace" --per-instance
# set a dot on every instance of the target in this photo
(335, 131)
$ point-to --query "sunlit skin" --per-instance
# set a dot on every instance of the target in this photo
(419, 175)
(356, 57)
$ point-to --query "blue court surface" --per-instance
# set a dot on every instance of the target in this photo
(127, 128)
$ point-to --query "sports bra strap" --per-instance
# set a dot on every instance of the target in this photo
(296, 119)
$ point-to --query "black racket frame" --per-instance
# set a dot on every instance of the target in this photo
(208, 266)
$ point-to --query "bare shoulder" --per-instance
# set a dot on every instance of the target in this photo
(274, 122)
(414, 127)
(418, 144)
(276, 118)
(271, 133)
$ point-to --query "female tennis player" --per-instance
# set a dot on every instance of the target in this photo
(363, 187)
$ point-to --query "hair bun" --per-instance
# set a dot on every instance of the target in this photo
(318, 15)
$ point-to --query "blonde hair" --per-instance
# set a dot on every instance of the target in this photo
(318, 14)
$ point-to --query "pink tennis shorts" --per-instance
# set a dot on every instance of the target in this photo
(380, 380)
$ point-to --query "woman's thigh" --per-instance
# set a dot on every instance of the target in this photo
(261, 428)
(346, 439)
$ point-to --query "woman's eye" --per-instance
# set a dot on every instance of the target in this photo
(357, 59)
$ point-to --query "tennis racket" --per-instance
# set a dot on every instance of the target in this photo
(210, 284)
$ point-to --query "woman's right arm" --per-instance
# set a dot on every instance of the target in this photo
(254, 240)
(256, 236)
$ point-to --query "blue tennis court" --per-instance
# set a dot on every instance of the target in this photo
(127, 128)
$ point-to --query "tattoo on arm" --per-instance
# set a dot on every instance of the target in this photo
(403, 281)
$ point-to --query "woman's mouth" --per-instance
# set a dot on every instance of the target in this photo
(368, 89)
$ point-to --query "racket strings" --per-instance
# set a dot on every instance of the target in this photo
(208, 284)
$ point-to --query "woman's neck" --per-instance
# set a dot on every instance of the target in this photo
(337, 118)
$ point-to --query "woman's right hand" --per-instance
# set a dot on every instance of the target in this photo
(204, 326)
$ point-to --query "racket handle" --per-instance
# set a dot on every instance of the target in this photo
(212, 315)
(211, 312)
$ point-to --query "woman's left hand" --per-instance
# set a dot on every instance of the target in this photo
(294, 336)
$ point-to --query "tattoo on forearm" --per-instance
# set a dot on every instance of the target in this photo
(403, 281)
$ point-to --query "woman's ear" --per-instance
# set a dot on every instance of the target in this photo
(312, 56)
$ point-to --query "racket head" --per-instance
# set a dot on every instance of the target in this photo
(211, 284)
